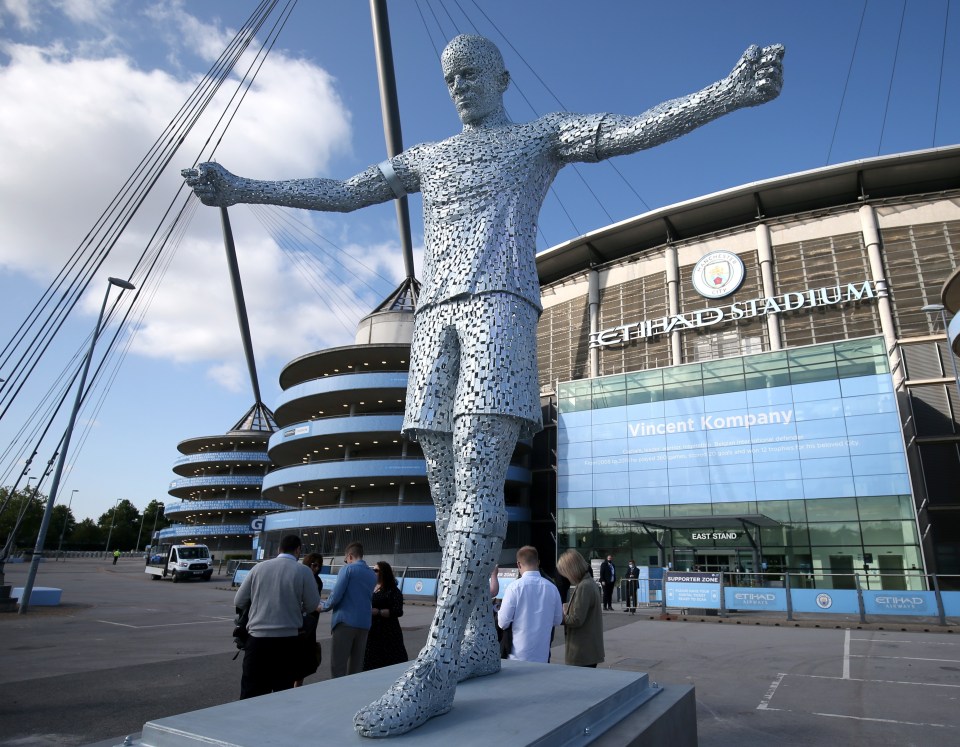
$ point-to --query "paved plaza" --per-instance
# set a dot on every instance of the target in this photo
(122, 650)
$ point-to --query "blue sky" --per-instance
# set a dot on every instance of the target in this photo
(87, 86)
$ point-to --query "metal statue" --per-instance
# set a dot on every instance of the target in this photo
(473, 379)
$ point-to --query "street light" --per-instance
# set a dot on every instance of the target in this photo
(113, 518)
(68, 433)
(160, 507)
(143, 517)
(938, 308)
(66, 518)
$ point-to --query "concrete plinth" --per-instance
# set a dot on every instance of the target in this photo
(40, 596)
(525, 704)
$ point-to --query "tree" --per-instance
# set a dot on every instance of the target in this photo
(125, 520)
(87, 535)
(62, 524)
(24, 507)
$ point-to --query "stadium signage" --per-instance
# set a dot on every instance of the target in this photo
(835, 295)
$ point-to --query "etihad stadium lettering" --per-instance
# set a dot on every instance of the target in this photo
(812, 298)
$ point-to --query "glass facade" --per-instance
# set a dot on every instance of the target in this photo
(809, 437)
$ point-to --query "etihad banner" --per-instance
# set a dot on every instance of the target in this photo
(823, 439)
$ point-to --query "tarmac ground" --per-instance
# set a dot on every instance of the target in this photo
(122, 650)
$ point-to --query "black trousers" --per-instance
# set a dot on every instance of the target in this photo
(269, 665)
(607, 594)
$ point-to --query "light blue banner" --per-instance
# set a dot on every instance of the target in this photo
(900, 603)
(951, 603)
(839, 601)
(419, 587)
(746, 598)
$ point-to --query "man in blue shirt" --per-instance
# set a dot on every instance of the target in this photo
(350, 601)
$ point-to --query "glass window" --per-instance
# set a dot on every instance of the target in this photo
(690, 509)
(608, 384)
(731, 368)
(793, 536)
(835, 533)
(574, 404)
(603, 400)
(889, 533)
(644, 379)
(724, 386)
(795, 511)
(766, 379)
(648, 512)
(735, 508)
(573, 518)
(832, 509)
(885, 507)
(766, 362)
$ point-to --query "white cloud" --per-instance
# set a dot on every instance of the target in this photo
(73, 129)
(20, 10)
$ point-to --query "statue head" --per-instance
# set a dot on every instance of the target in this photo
(475, 76)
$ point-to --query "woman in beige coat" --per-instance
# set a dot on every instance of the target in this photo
(582, 618)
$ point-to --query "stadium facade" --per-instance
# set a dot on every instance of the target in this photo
(751, 380)
(218, 486)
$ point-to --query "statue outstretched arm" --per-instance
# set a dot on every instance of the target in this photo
(755, 79)
(216, 186)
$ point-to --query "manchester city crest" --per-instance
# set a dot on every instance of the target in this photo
(718, 274)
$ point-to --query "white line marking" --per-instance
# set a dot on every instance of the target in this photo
(765, 703)
(879, 682)
(885, 720)
(164, 625)
(846, 654)
(908, 658)
(893, 640)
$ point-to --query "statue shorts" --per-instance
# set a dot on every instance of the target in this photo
(474, 355)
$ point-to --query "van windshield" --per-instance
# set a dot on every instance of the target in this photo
(193, 553)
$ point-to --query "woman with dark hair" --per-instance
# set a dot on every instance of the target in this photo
(310, 660)
(385, 640)
(582, 618)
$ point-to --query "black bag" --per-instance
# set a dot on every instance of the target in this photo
(506, 641)
(240, 632)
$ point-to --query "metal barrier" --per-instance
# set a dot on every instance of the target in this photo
(722, 593)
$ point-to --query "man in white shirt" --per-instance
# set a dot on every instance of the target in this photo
(531, 607)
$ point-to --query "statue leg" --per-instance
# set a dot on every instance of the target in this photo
(479, 649)
(474, 532)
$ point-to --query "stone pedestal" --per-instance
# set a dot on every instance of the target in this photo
(525, 704)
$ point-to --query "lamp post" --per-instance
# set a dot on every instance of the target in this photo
(938, 308)
(160, 507)
(140, 533)
(66, 517)
(113, 518)
(68, 433)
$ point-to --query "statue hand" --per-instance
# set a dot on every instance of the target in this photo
(758, 76)
(213, 184)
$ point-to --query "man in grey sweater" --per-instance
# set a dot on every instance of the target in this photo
(278, 591)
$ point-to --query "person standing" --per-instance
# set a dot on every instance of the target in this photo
(582, 617)
(385, 640)
(531, 605)
(116, 556)
(632, 577)
(350, 602)
(608, 577)
(310, 648)
(278, 592)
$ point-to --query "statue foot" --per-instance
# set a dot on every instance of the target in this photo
(425, 690)
(479, 655)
